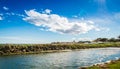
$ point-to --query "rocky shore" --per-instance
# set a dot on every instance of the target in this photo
(13, 49)
(113, 64)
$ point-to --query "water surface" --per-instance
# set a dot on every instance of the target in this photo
(61, 60)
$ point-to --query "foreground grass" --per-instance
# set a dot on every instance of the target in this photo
(11, 49)
(114, 64)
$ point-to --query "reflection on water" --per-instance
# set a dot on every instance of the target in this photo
(62, 60)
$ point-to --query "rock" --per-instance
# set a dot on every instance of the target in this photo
(1, 53)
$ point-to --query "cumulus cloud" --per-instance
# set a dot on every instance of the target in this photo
(5, 8)
(59, 24)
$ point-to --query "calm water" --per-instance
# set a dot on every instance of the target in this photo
(62, 60)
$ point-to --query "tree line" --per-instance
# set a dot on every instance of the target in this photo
(108, 39)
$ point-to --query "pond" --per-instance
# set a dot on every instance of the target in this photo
(60, 60)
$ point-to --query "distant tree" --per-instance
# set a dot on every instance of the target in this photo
(101, 40)
(104, 39)
(80, 41)
(73, 41)
(97, 40)
(119, 37)
(84, 41)
(112, 40)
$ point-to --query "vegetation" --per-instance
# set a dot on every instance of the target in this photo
(107, 40)
(9, 49)
(114, 64)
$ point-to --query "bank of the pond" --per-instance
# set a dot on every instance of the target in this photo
(113, 64)
(12, 49)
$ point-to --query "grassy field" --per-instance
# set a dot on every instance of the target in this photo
(10, 49)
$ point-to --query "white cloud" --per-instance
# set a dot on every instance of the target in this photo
(48, 11)
(15, 14)
(12, 13)
(1, 18)
(5, 8)
(59, 24)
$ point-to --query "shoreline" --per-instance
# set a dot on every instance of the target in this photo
(104, 65)
(26, 53)
(16, 49)
(49, 51)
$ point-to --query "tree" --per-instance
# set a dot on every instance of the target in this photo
(104, 40)
(112, 40)
(119, 37)
(101, 40)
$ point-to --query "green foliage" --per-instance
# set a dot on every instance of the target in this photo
(6, 49)
(111, 65)
(101, 40)
(107, 40)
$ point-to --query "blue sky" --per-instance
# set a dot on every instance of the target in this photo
(45, 21)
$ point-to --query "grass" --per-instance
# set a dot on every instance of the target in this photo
(114, 64)
(10, 49)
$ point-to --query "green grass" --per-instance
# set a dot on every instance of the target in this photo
(115, 65)
(7, 49)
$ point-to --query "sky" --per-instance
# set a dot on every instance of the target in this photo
(46, 21)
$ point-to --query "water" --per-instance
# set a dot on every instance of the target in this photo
(61, 60)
